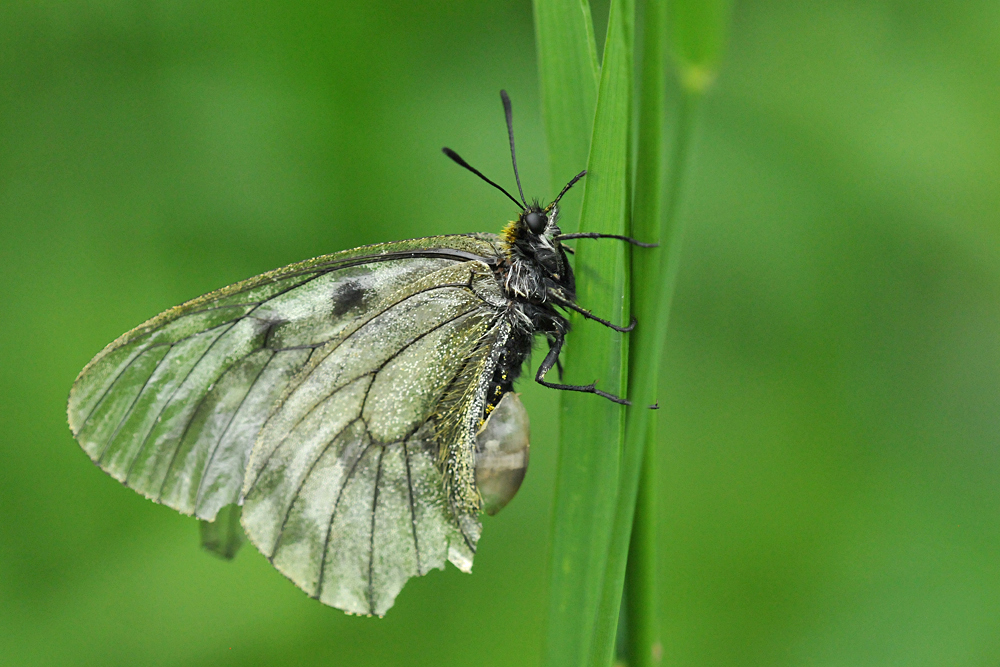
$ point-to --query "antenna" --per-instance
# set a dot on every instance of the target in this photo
(571, 183)
(509, 114)
(462, 163)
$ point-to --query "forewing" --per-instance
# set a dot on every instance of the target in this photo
(173, 407)
(344, 491)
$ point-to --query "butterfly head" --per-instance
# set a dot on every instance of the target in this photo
(538, 224)
(535, 225)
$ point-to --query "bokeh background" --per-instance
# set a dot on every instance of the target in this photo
(830, 457)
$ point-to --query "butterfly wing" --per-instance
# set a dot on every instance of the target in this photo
(344, 492)
(172, 408)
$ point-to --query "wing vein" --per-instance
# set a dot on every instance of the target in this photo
(196, 334)
(232, 324)
(128, 413)
(321, 270)
(413, 513)
(381, 312)
(333, 515)
(472, 547)
(104, 395)
(255, 304)
(302, 483)
(194, 413)
(371, 536)
(458, 256)
(333, 391)
(170, 400)
(209, 309)
(218, 443)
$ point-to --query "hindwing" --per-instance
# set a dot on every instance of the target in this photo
(343, 491)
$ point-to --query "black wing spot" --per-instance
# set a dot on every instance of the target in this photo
(348, 296)
(269, 332)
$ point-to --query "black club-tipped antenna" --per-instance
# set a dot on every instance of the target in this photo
(571, 183)
(462, 163)
(508, 112)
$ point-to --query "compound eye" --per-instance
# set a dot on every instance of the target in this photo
(536, 222)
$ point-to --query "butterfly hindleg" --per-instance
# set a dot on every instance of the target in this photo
(552, 358)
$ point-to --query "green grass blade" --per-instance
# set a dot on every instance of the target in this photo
(698, 34)
(643, 647)
(591, 426)
(642, 640)
(568, 70)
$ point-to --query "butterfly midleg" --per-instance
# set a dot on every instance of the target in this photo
(552, 358)
(590, 316)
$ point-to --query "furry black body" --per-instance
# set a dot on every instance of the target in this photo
(535, 274)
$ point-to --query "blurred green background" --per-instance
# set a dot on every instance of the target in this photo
(830, 463)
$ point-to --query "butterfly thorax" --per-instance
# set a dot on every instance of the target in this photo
(534, 266)
(535, 275)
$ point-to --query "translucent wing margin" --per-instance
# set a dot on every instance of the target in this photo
(172, 408)
(344, 492)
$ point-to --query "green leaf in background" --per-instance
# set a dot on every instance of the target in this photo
(591, 430)
(698, 30)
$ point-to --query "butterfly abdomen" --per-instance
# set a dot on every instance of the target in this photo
(516, 349)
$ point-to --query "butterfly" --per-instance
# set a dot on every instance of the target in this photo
(355, 412)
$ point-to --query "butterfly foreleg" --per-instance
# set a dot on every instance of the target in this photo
(595, 235)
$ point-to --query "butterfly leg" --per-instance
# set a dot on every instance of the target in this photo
(590, 316)
(559, 366)
(595, 235)
(552, 358)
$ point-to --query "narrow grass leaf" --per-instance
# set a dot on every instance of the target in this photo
(568, 71)
(592, 427)
(642, 647)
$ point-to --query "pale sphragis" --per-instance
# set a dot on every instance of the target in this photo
(358, 406)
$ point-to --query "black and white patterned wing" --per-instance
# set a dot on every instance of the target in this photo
(362, 476)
